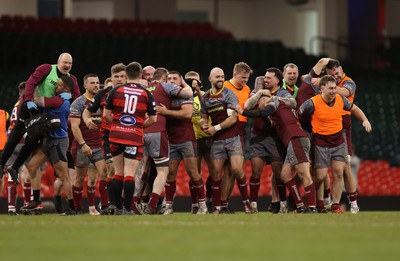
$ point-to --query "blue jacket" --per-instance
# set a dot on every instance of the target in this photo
(62, 112)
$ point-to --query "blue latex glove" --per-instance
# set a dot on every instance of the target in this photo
(31, 105)
(65, 95)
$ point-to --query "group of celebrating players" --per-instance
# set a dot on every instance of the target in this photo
(134, 132)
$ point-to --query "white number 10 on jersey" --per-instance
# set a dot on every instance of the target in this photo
(130, 103)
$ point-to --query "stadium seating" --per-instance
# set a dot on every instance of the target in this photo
(103, 26)
(26, 42)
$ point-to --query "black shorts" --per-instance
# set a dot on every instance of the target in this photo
(130, 152)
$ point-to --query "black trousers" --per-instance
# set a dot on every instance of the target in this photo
(15, 137)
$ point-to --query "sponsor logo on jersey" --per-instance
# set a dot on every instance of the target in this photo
(127, 120)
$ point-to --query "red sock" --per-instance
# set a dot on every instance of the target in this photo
(153, 201)
(281, 189)
(320, 204)
(27, 192)
(134, 202)
(352, 196)
(208, 187)
(11, 193)
(335, 206)
(77, 194)
(193, 192)
(90, 191)
(103, 193)
(254, 188)
(199, 187)
(294, 191)
(242, 184)
(170, 188)
(216, 195)
(310, 195)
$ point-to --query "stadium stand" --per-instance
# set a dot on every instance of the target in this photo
(26, 42)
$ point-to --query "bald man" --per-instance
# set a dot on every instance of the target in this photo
(148, 72)
(219, 104)
(45, 77)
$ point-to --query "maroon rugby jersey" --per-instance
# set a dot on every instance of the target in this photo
(306, 91)
(216, 107)
(91, 137)
(180, 131)
(262, 125)
(129, 104)
(286, 124)
(162, 93)
(39, 75)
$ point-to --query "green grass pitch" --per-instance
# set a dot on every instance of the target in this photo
(181, 236)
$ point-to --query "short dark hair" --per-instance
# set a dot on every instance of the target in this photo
(21, 86)
(277, 73)
(159, 73)
(333, 63)
(68, 81)
(133, 70)
(175, 72)
(89, 75)
(325, 79)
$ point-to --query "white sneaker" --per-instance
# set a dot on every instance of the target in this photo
(202, 208)
(253, 206)
(93, 211)
(168, 210)
(283, 208)
(354, 209)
